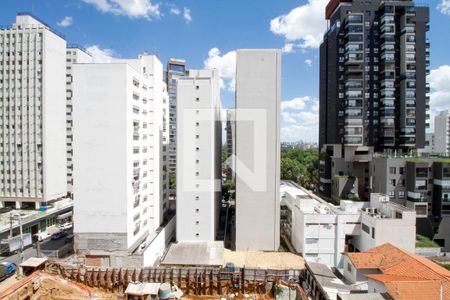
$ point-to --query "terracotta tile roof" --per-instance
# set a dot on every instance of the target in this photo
(405, 275)
(365, 260)
(414, 290)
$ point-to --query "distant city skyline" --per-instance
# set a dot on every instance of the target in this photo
(206, 33)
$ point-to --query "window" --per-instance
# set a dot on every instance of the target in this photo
(392, 182)
(349, 267)
(197, 87)
(373, 232)
(197, 235)
(401, 170)
(401, 194)
(197, 210)
(392, 194)
(392, 170)
(197, 99)
(365, 228)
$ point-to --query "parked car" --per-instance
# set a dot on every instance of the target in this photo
(58, 235)
(5, 210)
(42, 236)
(7, 269)
(66, 226)
(69, 239)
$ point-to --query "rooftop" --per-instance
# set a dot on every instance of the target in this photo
(195, 253)
(405, 275)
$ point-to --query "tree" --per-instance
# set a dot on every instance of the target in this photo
(291, 169)
(172, 180)
(301, 166)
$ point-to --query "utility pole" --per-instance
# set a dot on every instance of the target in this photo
(21, 237)
(10, 225)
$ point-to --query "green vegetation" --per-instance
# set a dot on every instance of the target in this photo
(447, 266)
(172, 180)
(416, 160)
(443, 160)
(228, 189)
(301, 166)
(423, 241)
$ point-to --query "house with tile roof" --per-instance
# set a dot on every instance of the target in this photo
(387, 268)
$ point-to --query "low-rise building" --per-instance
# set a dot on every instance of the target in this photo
(321, 231)
(390, 269)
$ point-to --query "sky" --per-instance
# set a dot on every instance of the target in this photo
(206, 34)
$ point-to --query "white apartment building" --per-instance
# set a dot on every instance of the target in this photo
(119, 153)
(32, 114)
(258, 89)
(198, 155)
(75, 55)
(442, 133)
(322, 232)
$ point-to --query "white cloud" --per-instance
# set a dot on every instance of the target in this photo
(300, 119)
(175, 10)
(100, 55)
(226, 64)
(65, 22)
(308, 62)
(187, 14)
(439, 80)
(288, 48)
(296, 103)
(305, 23)
(129, 8)
(444, 7)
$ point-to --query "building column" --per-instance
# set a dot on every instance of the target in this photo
(2, 204)
(18, 205)
(37, 205)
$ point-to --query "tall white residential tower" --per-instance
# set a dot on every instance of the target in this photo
(32, 113)
(198, 155)
(119, 152)
(258, 87)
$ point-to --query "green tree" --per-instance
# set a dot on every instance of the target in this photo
(301, 166)
(172, 180)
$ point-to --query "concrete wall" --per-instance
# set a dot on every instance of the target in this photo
(100, 139)
(54, 116)
(258, 86)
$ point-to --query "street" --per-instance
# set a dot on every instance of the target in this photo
(31, 251)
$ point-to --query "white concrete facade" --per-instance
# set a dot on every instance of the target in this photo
(258, 88)
(442, 133)
(320, 230)
(32, 113)
(119, 153)
(198, 155)
(74, 55)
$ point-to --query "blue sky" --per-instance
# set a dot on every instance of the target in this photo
(206, 32)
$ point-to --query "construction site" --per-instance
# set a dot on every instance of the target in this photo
(41, 278)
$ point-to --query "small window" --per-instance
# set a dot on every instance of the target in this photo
(197, 222)
(197, 197)
(197, 87)
(197, 235)
(197, 210)
(197, 99)
(373, 232)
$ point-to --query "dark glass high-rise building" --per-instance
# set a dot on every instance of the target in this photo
(373, 92)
